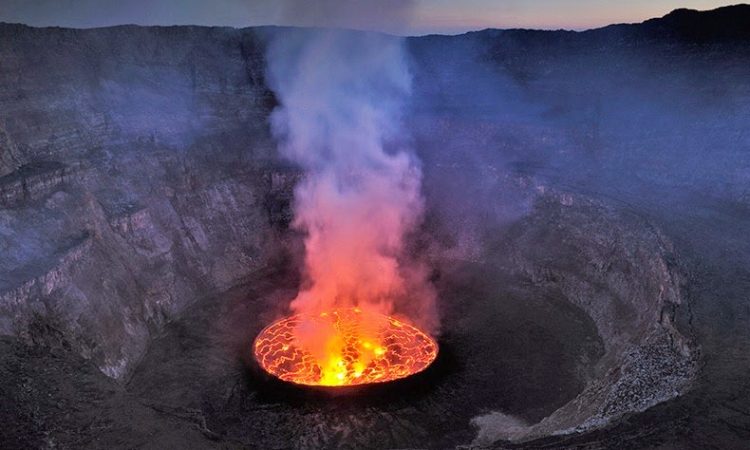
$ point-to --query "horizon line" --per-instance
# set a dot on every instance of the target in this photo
(448, 31)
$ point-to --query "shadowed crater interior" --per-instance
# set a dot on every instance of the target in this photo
(548, 320)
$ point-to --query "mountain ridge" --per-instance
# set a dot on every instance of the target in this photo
(732, 21)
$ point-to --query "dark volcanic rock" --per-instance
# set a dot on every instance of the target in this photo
(53, 398)
(34, 181)
(152, 145)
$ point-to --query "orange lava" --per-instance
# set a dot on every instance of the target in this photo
(343, 347)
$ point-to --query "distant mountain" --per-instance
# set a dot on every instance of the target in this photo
(729, 22)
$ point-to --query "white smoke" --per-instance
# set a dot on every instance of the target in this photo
(372, 15)
(342, 96)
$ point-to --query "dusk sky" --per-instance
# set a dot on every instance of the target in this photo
(412, 17)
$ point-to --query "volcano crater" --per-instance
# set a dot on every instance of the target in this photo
(570, 317)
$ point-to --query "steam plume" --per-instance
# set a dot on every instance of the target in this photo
(381, 15)
(342, 95)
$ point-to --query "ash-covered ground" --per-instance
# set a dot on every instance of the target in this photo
(588, 205)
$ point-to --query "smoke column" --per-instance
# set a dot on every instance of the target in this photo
(342, 96)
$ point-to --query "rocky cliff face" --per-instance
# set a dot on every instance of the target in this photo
(624, 274)
(68, 93)
(135, 172)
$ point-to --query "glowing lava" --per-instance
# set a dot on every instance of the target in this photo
(343, 347)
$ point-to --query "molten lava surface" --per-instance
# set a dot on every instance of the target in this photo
(342, 348)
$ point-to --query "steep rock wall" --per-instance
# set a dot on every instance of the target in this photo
(135, 176)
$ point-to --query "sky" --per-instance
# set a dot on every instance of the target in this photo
(410, 16)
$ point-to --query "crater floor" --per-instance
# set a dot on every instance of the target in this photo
(519, 348)
(504, 348)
